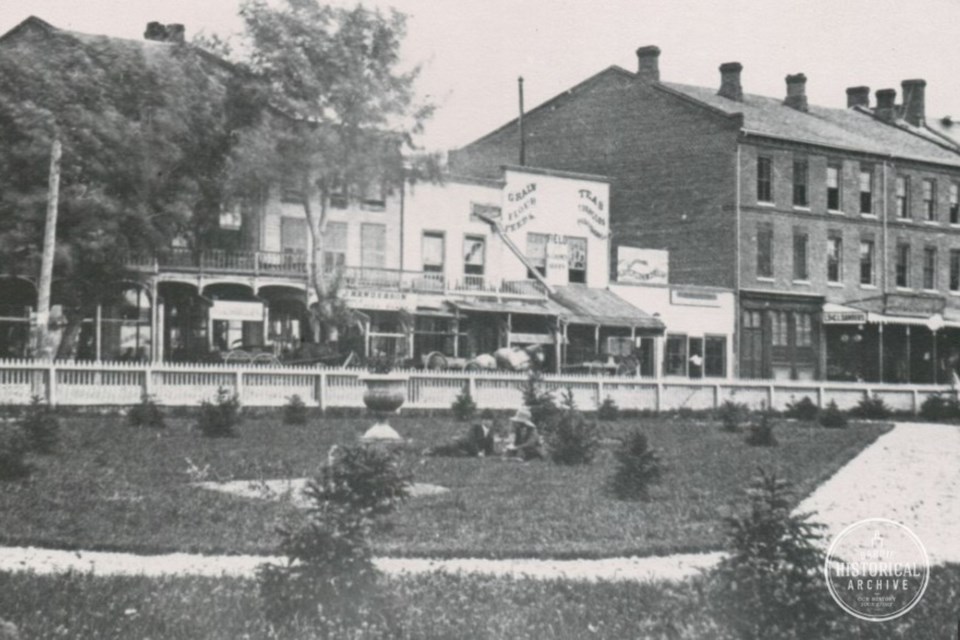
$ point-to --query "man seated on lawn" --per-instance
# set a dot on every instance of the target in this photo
(478, 442)
(526, 439)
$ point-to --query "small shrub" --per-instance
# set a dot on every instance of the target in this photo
(543, 407)
(364, 478)
(381, 363)
(732, 414)
(463, 407)
(295, 411)
(832, 418)
(219, 419)
(871, 408)
(13, 451)
(41, 426)
(938, 407)
(638, 466)
(573, 439)
(770, 585)
(803, 409)
(146, 414)
(608, 410)
(760, 434)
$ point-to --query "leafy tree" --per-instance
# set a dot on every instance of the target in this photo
(145, 134)
(340, 114)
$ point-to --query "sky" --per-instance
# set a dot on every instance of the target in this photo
(472, 51)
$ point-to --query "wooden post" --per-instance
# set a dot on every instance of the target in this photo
(320, 390)
(238, 389)
(52, 385)
(42, 349)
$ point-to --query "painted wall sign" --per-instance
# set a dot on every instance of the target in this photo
(520, 205)
(844, 317)
(236, 310)
(592, 213)
(377, 299)
(642, 266)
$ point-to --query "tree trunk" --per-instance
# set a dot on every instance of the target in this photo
(41, 349)
(317, 224)
(70, 336)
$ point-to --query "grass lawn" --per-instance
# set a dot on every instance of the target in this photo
(118, 488)
(438, 607)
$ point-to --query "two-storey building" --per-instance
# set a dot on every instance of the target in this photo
(837, 229)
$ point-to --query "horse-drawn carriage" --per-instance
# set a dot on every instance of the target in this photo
(505, 359)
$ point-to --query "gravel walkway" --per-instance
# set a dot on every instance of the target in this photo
(910, 474)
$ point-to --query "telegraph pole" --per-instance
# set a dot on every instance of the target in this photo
(49, 244)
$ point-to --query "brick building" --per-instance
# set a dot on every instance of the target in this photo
(837, 229)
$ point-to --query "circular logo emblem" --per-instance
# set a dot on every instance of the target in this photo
(877, 569)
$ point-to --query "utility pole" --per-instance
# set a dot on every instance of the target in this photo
(49, 244)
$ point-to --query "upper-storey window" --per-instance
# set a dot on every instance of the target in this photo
(866, 262)
(373, 245)
(800, 255)
(903, 197)
(764, 179)
(930, 199)
(930, 268)
(954, 203)
(834, 258)
(374, 196)
(576, 259)
(764, 251)
(537, 252)
(834, 201)
(801, 173)
(903, 265)
(866, 189)
(335, 246)
(433, 252)
(954, 270)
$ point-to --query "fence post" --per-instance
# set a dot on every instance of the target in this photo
(238, 386)
(659, 404)
(820, 394)
(320, 390)
(599, 392)
(916, 401)
(52, 385)
(148, 381)
(716, 397)
(472, 387)
(770, 398)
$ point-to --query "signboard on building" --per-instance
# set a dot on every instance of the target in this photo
(694, 298)
(642, 266)
(379, 300)
(236, 310)
(846, 316)
(520, 198)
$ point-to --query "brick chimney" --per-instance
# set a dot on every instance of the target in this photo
(648, 63)
(886, 104)
(913, 101)
(158, 32)
(730, 81)
(858, 97)
(796, 92)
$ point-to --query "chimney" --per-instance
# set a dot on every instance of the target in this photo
(648, 63)
(730, 81)
(886, 104)
(913, 101)
(796, 92)
(176, 33)
(858, 97)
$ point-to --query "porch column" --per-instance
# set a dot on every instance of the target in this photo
(880, 340)
(909, 359)
(98, 331)
(558, 346)
(936, 369)
(596, 340)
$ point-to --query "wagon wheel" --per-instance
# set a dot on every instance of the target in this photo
(472, 366)
(628, 366)
(436, 360)
(266, 358)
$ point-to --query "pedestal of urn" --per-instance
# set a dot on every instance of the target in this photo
(385, 393)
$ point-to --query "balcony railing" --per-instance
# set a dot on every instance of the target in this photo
(293, 264)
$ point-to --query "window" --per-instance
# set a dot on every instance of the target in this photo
(577, 259)
(800, 255)
(801, 172)
(715, 357)
(866, 262)
(955, 270)
(373, 245)
(833, 188)
(335, 246)
(834, 259)
(930, 268)
(903, 265)
(804, 329)
(230, 218)
(293, 235)
(764, 176)
(432, 252)
(537, 252)
(374, 196)
(903, 197)
(930, 199)
(764, 251)
(675, 356)
(338, 196)
(290, 189)
(954, 203)
(778, 328)
(474, 260)
(866, 190)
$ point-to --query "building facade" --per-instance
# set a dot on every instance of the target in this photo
(837, 229)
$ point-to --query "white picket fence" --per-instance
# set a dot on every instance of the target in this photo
(118, 384)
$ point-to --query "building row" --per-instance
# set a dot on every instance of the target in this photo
(627, 225)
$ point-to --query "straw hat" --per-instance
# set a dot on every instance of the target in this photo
(523, 416)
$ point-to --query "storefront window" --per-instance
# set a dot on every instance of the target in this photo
(577, 259)
(715, 357)
(778, 328)
(675, 357)
(804, 323)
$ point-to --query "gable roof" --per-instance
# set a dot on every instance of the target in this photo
(842, 129)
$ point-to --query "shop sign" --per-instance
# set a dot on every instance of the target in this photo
(236, 310)
(531, 338)
(376, 299)
(557, 260)
(519, 206)
(913, 305)
(844, 317)
(592, 213)
(642, 266)
(694, 298)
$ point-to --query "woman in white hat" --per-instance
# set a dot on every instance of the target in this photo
(526, 439)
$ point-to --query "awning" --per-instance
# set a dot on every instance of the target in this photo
(588, 305)
(897, 309)
(530, 307)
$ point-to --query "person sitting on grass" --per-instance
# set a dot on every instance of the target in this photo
(526, 439)
(478, 442)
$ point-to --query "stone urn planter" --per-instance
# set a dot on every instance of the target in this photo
(385, 393)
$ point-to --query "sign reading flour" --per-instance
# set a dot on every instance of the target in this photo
(877, 569)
